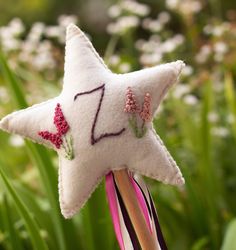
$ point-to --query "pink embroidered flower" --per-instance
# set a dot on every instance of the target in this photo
(130, 104)
(60, 139)
(60, 121)
(145, 113)
(55, 139)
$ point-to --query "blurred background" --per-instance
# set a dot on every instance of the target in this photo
(197, 121)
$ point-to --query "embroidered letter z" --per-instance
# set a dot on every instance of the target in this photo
(93, 138)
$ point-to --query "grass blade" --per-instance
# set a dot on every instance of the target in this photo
(95, 216)
(230, 240)
(32, 227)
(14, 87)
(9, 224)
(231, 99)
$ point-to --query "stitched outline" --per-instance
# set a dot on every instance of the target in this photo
(93, 139)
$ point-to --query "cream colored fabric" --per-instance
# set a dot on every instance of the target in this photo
(84, 71)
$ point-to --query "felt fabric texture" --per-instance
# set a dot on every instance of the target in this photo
(85, 71)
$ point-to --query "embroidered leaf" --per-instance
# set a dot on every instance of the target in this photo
(68, 147)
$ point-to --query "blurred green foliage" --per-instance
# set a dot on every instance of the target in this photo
(197, 121)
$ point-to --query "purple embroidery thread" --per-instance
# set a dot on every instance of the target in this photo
(93, 139)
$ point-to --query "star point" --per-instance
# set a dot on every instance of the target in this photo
(72, 30)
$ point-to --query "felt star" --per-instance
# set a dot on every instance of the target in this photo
(100, 122)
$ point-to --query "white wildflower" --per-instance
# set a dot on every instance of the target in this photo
(193, 6)
(17, 27)
(113, 28)
(135, 8)
(213, 117)
(16, 141)
(124, 67)
(187, 70)
(151, 46)
(25, 57)
(190, 100)
(155, 38)
(114, 11)
(54, 31)
(172, 4)
(65, 20)
(230, 118)
(4, 97)
(35, 33)
(220, 48)
(114, 60)
(208, 29)
(9, 37)
(164, 17)
(169, 46)
(178, 39)
(146, 22)
(38, 28)
(186, 7)
(220, 132)
(28, 46)
(5, 33)
(44, 58)
(218, 31)
(11, 44)
(152, 25)
(123, 24)
(203, 54)
(206, 50)
(180, 90)
(45, 46)
(150, 59)
(155, 26)
(139, 44)
(43, 61)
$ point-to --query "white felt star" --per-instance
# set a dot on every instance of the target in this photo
(98, 123)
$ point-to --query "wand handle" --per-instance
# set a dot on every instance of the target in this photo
(136, 216)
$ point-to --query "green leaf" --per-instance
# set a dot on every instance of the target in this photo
(9, 224)
(230, 99)
(14, 87)
(229, 242)
(200, 244)
(32, 227)
(95, 216)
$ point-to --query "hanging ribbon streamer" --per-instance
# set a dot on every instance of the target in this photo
(124, 229)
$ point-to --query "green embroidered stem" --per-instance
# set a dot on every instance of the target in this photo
(138, 132)
(136, 114)
(142, 132)
(68, 147)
